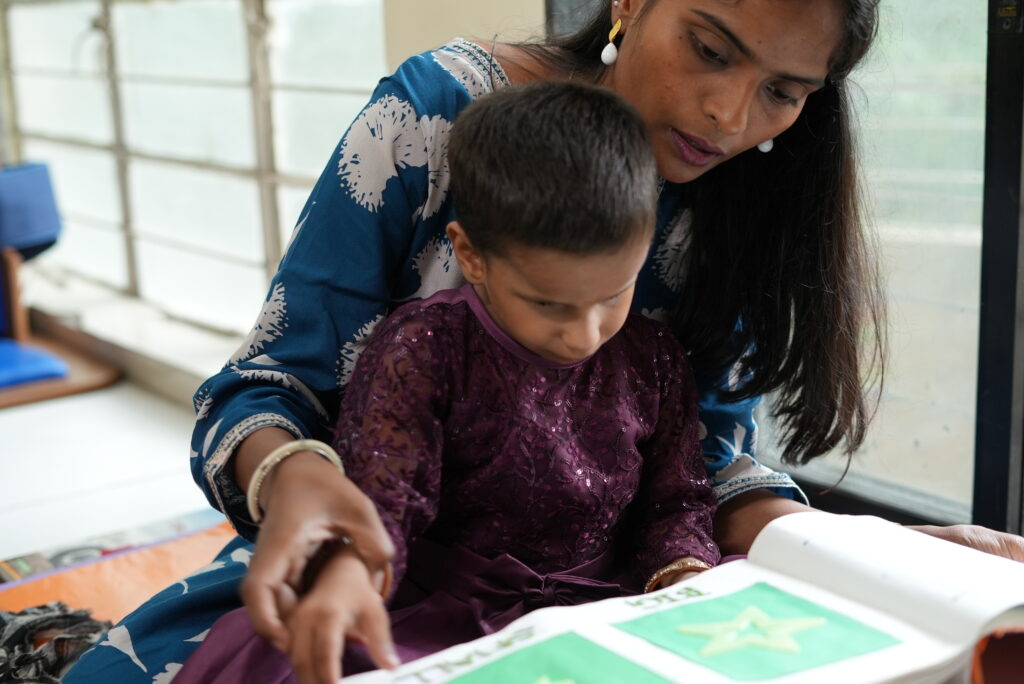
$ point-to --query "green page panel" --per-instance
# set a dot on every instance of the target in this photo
(564, 659)
(758, 633)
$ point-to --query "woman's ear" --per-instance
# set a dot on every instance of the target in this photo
(471, 261)
(626, 10)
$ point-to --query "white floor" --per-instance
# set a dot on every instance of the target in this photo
(91, 464)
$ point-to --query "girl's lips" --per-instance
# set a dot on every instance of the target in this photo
(693, 150)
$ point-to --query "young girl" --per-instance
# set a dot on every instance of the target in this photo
(527, 441)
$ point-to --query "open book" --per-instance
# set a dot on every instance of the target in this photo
(820, 598)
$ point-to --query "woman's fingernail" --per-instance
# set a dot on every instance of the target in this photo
(392, 657)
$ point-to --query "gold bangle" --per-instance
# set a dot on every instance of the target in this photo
(676, 566)
(252, 494)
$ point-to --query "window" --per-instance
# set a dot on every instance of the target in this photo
(233, 105)
(922, 121)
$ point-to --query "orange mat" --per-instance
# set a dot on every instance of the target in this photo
(115, 586)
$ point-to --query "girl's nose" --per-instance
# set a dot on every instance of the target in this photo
(582, 338)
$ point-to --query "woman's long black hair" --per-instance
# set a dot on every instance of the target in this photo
(778, 246)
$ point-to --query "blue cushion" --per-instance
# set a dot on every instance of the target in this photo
(23, 363)
(29, 221)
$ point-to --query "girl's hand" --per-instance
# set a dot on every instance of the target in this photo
(343, 603)
(307, 502)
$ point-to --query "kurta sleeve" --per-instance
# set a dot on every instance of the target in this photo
(333, 286)
(389, 431)
(676, 503)
(729, 440)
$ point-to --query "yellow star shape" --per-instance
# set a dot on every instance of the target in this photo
(547, 680)
(775, 634)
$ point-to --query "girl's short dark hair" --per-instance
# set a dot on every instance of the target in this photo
(557, 165)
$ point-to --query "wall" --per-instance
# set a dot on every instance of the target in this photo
(412, 26)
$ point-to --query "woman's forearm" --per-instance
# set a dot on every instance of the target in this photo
(742, 517)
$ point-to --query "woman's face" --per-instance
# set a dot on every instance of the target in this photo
(713, 78)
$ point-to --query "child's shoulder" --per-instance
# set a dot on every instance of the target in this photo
(438, 314)
(644, 327)
(651, 339)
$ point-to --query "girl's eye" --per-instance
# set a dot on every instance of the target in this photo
(781, 96)
(707, 53)
(543, 305)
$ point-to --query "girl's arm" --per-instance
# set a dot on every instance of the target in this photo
(676, 503)
(390, 438)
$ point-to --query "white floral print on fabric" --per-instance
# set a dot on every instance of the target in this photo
(437, 267)
(386, 138)
(668, 255)
(169, 673)
(270, 326)
(203, 407)
(436, 131)
(736, 445)
(120, 639)
(350, 352)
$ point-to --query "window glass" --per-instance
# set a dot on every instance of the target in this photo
(210, 210)
(327, 43)
(201, 39)
(84, 179)
(57, 36)
(221, 294)
(200, 123)
(308, 126)
(64, 106)
(922, 125)
(93, 250)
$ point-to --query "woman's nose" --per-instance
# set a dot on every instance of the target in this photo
(728, 108)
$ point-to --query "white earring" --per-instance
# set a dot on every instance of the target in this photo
(767, 145)
(610, 52)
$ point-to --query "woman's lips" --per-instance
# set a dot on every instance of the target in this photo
(693, 150)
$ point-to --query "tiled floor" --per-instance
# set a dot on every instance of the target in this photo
(91, 464)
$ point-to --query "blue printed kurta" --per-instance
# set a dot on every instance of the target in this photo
(371, 236)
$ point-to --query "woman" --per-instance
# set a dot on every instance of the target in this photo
(759, 265)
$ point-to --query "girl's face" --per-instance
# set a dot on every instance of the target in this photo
(714, 78)
(560, 306)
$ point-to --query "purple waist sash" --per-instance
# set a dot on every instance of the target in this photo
(497, 591)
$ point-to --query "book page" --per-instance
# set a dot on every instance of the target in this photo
(951, 590)
(736, 623)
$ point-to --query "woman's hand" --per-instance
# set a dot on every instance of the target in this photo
(306, 502)
(343, 603)
(981, 538)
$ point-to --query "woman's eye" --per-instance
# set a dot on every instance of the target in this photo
(543, 305)
(707, 53)
(781, 96)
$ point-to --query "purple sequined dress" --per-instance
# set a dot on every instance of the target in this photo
(507, 482)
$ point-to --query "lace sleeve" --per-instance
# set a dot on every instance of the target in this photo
(389, 434)
(676, 503)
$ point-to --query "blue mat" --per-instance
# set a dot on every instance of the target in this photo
(20, 363)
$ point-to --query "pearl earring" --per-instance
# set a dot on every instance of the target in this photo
(767, 145)
(610, 52)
